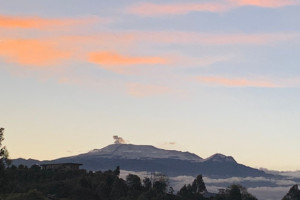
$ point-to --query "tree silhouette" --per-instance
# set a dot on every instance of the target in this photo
(235, 193)
(293, 194)
(198, 185)
(133, 182)
(147, 183)
(4, 161)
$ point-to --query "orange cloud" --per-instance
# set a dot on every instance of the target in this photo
(234, 82)
(152, 9)
(141, 90)
(119, 63)
(48, 51)
(41, 23)
(34, 53)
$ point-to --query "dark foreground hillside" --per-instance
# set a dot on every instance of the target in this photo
(34, 183)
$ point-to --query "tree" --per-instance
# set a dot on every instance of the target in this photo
(134, 186)
(4, 161)
(160, 186)
(133, 182)
(188, 192)
(117, 171)
(147, 183)
(293, 194)
(198, 185)
(160, 182)
(235, 193)
(119, 189)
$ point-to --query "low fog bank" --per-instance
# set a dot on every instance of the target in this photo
(261, 187)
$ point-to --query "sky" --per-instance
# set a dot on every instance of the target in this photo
(204, 76)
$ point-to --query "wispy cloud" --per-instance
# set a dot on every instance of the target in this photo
(135, 38)
(153, 9)
(43, 23)
(265, 3)
(119, 63)
(34, 53)
(279, 182)
(177, 37)
(262, 82)
(235, 82)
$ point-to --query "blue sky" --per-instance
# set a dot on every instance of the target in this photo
(200, 76)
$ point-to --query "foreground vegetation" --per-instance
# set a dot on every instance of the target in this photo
(34, 183)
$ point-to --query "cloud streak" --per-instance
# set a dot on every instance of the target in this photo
(265, 3)
(154, 10)
(235, 82)
(43, 23)
(177, 37)
(132, 38)
(119, 63)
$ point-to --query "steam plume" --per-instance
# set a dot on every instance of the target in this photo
(118, 140)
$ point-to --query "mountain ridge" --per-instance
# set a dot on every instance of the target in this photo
(149, 158)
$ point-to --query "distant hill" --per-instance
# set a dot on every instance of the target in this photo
(149, 158)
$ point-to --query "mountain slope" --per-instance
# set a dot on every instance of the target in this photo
(130, 151)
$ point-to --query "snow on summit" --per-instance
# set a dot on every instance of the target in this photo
(130, 151)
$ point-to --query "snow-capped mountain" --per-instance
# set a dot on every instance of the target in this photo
(151, 159)
(130, 151)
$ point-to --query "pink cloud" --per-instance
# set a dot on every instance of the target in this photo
(235, 82)
(153, 9)
(265, 3)
(177, 37)
(113, 40)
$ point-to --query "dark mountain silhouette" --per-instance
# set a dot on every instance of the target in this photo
(149, 158)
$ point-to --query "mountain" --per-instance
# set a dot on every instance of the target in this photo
(220, 158)
(151, 159)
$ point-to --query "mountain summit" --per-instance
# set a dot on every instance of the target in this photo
(220, 158)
